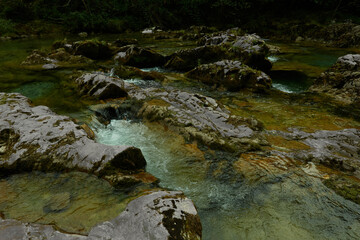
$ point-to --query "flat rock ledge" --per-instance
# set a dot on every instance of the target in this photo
(35, 138)
(158, 215)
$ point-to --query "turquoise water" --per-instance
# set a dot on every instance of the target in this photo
(74, 202)
(289, 205)
(307, 61)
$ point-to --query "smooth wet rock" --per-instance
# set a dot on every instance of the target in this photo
(100, 86)
(139, 57)
(158, 215)
(35, 138)
(342, 80)
(232, 75)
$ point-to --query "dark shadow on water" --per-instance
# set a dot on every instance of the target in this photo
(290, 81)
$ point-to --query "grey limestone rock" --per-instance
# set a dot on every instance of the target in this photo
(35, 138)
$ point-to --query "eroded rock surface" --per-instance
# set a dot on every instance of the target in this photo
(335, 149)
(159, 215)
(35, 138)
(342, 80)
(100, 86)
(232, 75)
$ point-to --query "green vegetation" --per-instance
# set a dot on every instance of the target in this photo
(6, 26)
(120, 15)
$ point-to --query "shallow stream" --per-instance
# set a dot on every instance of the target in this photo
(284, 204)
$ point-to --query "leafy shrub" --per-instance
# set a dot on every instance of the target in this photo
(6, 26)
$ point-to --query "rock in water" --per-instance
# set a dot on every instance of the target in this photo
(233, 75)
(35, 138)
(159, 215)
(92, 49)
(185, 60)
(139, 57)
(100, 86)
(342, 80)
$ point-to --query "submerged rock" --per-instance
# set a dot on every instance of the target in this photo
(35, 138)
(139, 57)
(158, 215)
(342, 80)
(232, 75)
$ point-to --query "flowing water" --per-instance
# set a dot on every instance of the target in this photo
(290, 205)
(285, 204)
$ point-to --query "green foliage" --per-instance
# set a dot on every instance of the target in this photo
(6, 26)
(119, 15)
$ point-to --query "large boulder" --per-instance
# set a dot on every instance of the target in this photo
(35, 138)
(157, 215)
(139, 57)
(92, 49)
(100, 86)
(252, 50)
(342, 80)
(232, 75)
(185, 60)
